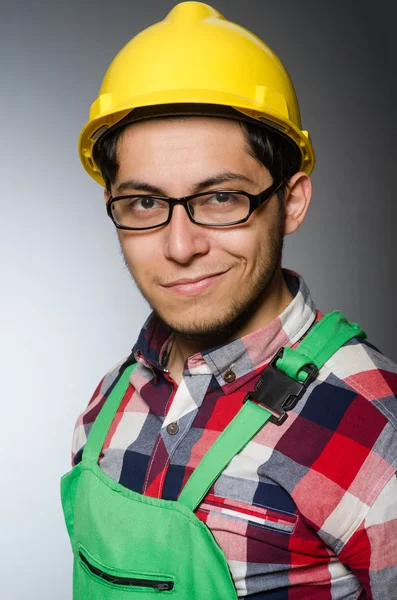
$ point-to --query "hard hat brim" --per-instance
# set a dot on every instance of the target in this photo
(97, 128)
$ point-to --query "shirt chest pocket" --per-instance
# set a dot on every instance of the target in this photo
(250, 520)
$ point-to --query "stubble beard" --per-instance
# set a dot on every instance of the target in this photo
(234, 312)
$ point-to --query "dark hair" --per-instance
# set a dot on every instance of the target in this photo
(277, 153)
(280, 156)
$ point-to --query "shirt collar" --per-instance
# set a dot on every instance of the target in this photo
(241, 356)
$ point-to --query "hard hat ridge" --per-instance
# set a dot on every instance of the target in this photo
(192, 12)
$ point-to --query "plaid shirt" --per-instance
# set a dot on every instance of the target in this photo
(307, 510)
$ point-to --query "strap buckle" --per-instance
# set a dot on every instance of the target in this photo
(277, 392)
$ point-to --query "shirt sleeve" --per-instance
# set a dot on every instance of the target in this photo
(371, 552)
(87, 418)
(84, 423)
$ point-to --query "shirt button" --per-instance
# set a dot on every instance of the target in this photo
(172, 428)
(229, 376)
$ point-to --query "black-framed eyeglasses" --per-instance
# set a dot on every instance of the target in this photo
(216, 208)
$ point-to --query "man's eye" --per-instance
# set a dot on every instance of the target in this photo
(142, 204)
(221, 197)
(147, 202)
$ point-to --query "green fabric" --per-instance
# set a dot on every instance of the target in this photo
(248, 421)
(128, 535)
(325, 338)
(102, 423)
(125, 534)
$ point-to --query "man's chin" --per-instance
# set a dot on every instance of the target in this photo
(195, 329)
(211, 329)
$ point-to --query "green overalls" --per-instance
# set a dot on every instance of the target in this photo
(131, 547)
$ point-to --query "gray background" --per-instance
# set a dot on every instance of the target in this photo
(69, 309)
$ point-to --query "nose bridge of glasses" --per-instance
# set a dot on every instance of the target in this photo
(184, 202)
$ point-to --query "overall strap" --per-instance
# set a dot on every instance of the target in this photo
(279, 388)
(103, 421)
(325, 338)
(248, 421)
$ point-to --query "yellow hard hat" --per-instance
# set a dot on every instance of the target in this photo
(195, 56)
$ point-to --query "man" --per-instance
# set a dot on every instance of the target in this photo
(196, 137)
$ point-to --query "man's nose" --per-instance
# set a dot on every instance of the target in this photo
(183, 238)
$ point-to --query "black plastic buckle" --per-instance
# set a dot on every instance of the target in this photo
(277, 392)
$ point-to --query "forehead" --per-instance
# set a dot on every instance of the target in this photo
(183, 146)
(180, 126)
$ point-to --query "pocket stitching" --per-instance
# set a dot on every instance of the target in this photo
(118, 572)
(112, 586)
(246, 517)
(247, 521)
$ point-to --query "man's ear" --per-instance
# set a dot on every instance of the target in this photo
(296, 201)
(106, 194)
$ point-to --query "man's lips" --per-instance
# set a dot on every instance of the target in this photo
(194, 285)
(191, 280)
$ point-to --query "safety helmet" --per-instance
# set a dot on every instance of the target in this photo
(195, 56)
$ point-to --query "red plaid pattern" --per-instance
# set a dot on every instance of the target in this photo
(307, 510)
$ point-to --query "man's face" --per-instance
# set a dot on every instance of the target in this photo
(201, 281)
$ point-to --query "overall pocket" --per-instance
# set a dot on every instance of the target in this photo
(92, 580)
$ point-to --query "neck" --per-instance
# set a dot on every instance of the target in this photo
(266, 308)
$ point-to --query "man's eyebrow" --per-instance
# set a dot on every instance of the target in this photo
(135, 184)
(218, 179)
